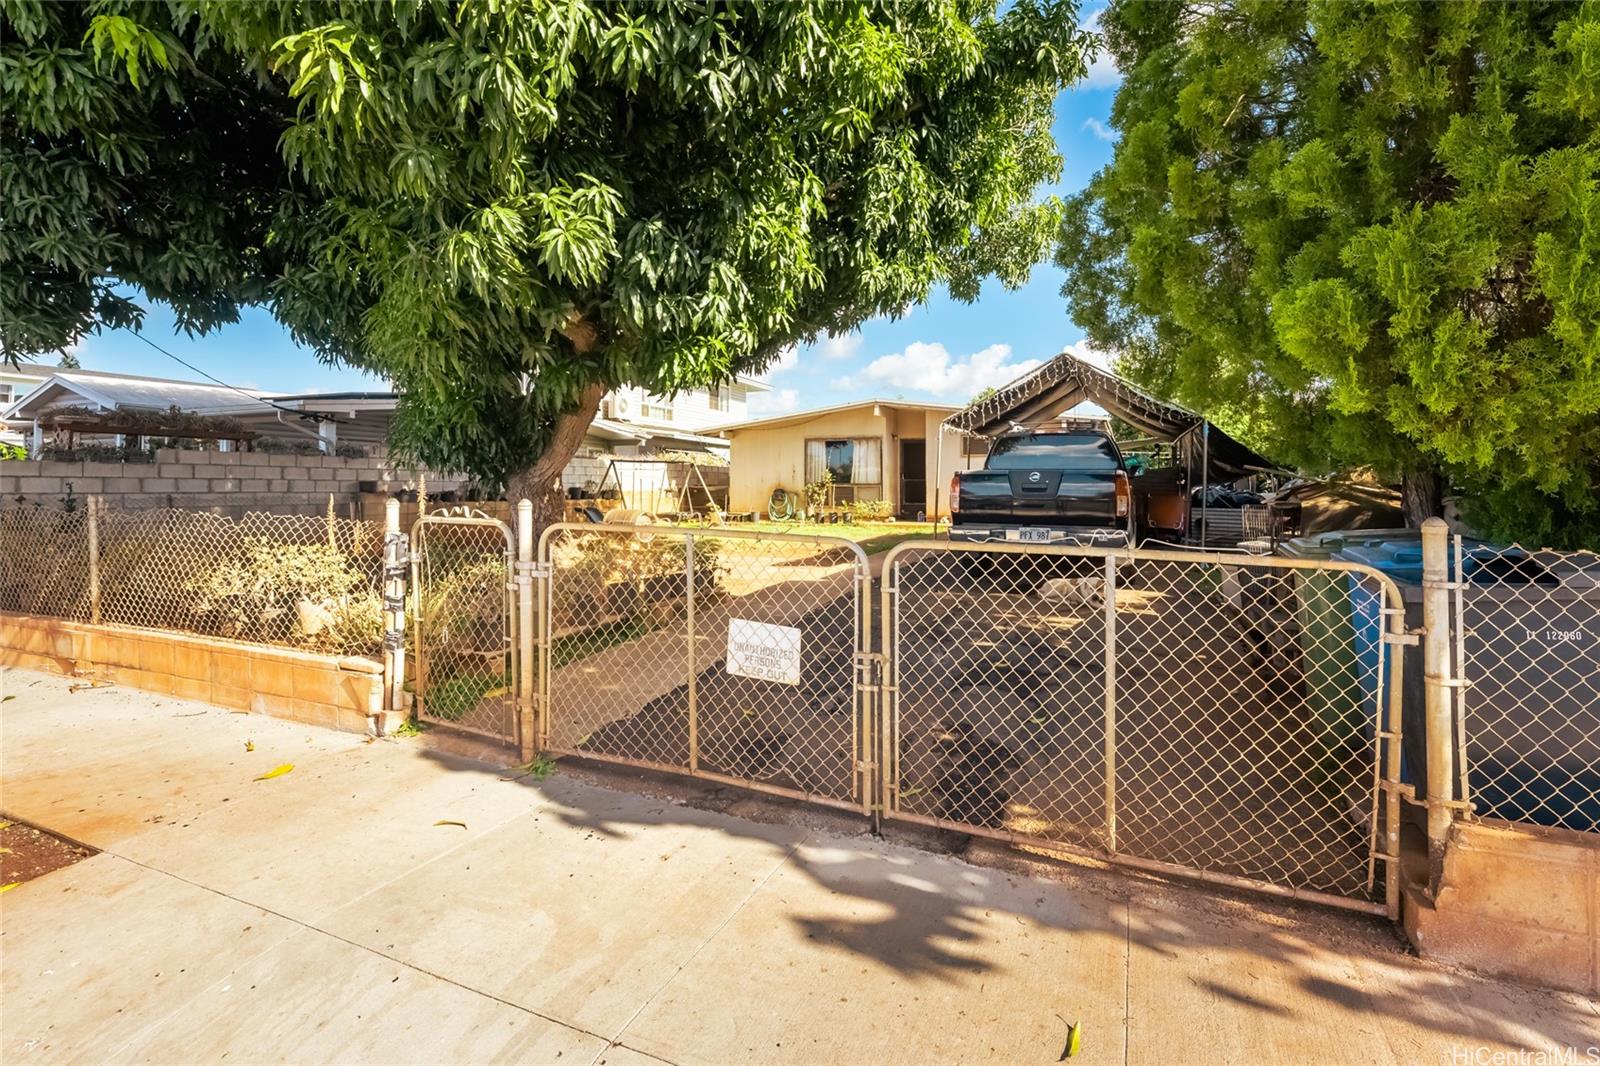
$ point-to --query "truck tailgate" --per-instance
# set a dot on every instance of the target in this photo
(1039, 497)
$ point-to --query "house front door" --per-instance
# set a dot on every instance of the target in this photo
(913, 477)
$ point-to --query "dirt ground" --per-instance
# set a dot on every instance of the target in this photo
(26, 853)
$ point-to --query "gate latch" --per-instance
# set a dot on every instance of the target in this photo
(1400, 638)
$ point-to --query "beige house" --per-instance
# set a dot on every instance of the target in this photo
(875, 449)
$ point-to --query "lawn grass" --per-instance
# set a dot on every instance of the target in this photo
(874, 537)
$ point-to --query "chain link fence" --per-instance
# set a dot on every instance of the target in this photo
(311, 582)
(726, 655)
(464, 653)
(1527, 632)
(1222, 717)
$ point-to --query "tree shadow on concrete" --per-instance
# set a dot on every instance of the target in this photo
(923, 904)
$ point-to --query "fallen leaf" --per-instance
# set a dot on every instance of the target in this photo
(496, 693)
(8, 888)
(277, 771)
(447, 821)
(1074, 1036)
(7, 699)
(249, 745)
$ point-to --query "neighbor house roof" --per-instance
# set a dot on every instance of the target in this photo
(799, 417)
(111, 392)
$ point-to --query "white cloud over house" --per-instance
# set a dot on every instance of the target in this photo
(775, 402)
(841, 347)
(929, 367)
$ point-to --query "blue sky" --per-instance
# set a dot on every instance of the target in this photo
(943, 351)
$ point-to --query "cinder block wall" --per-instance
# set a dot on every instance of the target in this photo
(230, 483)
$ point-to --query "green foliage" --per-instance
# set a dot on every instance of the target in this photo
(819, 493)
(12, 452)
(308, 594)
(506, 206)
(1362, 233)
(453, 696)
(870, 510)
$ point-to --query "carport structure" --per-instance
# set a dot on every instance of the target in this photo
(1200, 451)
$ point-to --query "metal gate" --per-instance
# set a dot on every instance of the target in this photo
(464, 623)
(723, 654)
(1230, 717)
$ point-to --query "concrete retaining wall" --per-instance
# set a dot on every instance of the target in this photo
(337, 693)
(1516, 901)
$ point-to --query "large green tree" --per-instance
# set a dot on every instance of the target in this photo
(508, 207)
(1363, 233)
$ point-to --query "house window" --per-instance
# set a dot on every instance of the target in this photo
(720, 397)
(658, 408)
(856, 464)
(5, 395)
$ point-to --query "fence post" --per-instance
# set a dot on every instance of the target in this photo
(1111, 703)
(526, 617)
(394, 610)
(694, 706)
(94, 559)
(1438, 698)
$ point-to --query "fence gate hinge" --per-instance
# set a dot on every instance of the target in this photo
(533, 569)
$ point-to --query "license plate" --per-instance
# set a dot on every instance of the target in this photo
(1031, 533)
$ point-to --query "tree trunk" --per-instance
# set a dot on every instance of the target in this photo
(1421, 495)
(540, 481)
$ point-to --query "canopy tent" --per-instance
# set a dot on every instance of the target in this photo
(1066, 381)
(1203, 453)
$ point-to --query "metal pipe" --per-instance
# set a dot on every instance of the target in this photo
(1111, 703)
(394, 601)
(694, 703)
(527, 736)
(1438, 699)
(1205, 481)
(94, 559)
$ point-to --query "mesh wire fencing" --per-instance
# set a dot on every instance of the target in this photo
(724, 655)
(1528, 648)
(311, 582)
(1220, 718)
(44, 561)
(463, 649)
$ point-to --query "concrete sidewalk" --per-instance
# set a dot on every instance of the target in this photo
(324, 915)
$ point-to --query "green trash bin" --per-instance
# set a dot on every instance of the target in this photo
(1328, 654)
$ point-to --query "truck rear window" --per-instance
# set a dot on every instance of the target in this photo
(1053, 451)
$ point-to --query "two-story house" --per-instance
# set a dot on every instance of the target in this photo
(633, 422)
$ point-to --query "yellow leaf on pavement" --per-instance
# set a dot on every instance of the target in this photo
(277, 771)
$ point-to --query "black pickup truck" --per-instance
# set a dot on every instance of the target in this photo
(1045, 487)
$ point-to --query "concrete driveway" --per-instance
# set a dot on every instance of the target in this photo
(324, 915)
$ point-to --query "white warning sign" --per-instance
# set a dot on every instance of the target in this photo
(761, 650)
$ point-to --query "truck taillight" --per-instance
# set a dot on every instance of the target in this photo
(955, 493)
(1124, 494)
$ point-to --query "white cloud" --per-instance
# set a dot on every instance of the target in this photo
(1090, 354)
(841, 347)
(929, 367)
(1103, 73)
(775, 402)
(787, 359)
(1099, 129)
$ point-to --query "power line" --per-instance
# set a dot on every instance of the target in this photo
(312, 416)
